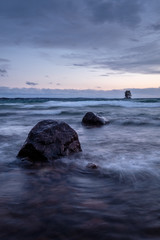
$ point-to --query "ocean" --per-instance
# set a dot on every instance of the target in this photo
(66, 200)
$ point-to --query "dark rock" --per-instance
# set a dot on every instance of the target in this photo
(93, 119)
(92, 166)
(49, 140)
(128, 94)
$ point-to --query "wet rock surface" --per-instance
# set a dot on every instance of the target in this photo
(49, 140)
(92, 119)
(92, 166)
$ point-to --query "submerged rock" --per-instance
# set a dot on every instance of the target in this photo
(49, 140)
(92, 166)
(93, 119)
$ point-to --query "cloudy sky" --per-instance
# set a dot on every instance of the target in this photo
(85, 44)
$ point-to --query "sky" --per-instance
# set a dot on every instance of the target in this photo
(85, 44)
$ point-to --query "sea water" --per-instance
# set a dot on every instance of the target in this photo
(66, 200)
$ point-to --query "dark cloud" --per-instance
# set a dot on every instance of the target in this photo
(3, 72)
(80, 64)
(3, 60)
(99, 33)
(122, 11)
(126, 64)
(156, 27)
(134, 40)
(48, 23)
(31, 83)
(140, 59)
(52, 23)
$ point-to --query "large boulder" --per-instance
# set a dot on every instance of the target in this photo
(49, 140)
(92, 119)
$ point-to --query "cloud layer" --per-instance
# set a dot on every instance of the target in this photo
(72, 93)
(118, 35)
(66, 23)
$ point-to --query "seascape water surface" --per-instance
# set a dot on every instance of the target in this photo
(68, 201)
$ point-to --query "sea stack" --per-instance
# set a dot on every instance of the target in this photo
(128, 94)
(49, 140)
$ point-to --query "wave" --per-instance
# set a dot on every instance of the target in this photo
(136, 122)
(122, 166)
(102, 103)
(77, 102)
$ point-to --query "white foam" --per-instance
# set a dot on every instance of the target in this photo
(73, 104)
(123, 166)
(9, 130)
(43, 112)
(116, 103)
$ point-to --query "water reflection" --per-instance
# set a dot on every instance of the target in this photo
(69, 202)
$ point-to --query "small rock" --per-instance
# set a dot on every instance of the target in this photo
(92, 166)
(92, 119)
(49, 140)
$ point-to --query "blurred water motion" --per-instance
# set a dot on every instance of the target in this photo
(66, 199)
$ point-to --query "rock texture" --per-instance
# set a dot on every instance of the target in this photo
(92, 166)
(92, 119)
(49, 140)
